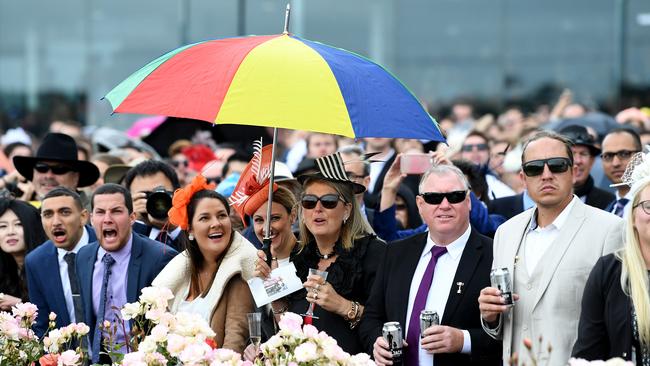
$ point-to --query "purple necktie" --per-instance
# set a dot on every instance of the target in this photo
(413, 336)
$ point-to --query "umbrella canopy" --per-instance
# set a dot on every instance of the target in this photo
(173, 129)
(280, 81)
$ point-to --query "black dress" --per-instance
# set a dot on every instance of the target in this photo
(351, 275)
(606, 327)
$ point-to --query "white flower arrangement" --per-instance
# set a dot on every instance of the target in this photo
(301, 345)
(163, 339)
(18, 343)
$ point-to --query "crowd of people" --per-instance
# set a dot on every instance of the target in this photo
(559, 199)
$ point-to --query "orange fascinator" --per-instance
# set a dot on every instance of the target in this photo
(252, 189)
(178, 213)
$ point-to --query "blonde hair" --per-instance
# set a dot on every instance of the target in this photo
(634, 274)
(353, 228)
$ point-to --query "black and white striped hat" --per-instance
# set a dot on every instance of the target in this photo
(331, 167)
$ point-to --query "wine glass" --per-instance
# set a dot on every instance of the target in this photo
(309, 315)
(255, 330)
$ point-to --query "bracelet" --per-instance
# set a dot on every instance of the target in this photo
(353, 315)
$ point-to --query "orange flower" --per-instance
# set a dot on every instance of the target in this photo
(49, 360)
(178, 213)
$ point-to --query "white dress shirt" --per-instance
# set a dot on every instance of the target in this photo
(539, 239)
(65, 278)
(153, 234)
(443, 278)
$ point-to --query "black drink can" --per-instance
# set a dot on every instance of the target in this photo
(392, 333)
(500, 278)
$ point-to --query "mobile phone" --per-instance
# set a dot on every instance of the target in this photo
(415, 163)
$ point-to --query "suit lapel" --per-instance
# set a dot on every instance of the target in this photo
(411, 258)
(133, 275)
(466, 267)
(55, 292)
(85, 265)
(558, 248)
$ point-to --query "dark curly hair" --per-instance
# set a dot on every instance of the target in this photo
(195, 255)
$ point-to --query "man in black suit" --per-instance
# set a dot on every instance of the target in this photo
(584, 155)
(443, 271)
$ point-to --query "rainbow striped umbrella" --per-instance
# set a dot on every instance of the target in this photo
(280, 81)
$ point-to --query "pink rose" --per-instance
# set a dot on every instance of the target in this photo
(290, 322)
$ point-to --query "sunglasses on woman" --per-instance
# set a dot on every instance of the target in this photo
(329, 201)
(534, 168)
(56, 169)
(435, 198)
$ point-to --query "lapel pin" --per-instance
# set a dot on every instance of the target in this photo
(460, 287)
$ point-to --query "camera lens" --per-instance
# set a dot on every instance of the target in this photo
(158, 204)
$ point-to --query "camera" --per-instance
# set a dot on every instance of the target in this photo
(12, 187)
(159, 201)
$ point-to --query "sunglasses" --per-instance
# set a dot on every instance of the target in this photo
(329, 201)
(177, 163)
(534, 168)
(435, 198)
(622, 155)
(470, 147)
(645, 205)
(56, 169)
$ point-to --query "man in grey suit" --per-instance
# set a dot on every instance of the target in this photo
(549, 251)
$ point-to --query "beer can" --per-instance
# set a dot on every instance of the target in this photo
(392, 333)
(427, 319)
(500, 278)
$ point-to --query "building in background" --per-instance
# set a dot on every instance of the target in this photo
(59, 58)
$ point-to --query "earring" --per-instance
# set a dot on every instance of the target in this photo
(191, 236)
(345, 219)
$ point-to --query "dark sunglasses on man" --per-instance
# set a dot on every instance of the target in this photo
(470, 147)
(622, 155)
(534, 168)
(435, 198)
(329, 201)
(56, 169)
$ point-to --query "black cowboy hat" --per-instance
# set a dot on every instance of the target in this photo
(57, 147)
(580, 136)
(331, 168)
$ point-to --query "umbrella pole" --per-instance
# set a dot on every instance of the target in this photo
(287, 16)
(266, 242)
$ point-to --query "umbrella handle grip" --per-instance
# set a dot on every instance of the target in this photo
(266, 248)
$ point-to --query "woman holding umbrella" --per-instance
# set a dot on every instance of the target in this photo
(250, 199)
(335, 238)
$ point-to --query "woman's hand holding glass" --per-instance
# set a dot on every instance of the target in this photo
(321, 293)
